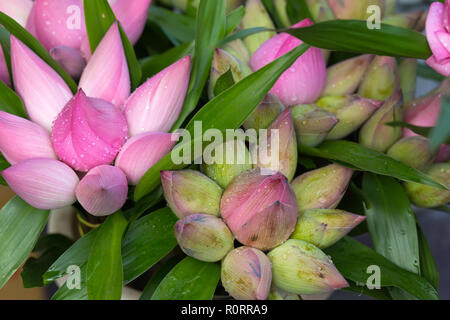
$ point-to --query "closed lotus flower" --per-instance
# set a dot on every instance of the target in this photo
(85, 132)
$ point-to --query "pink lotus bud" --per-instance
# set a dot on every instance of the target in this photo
(156, 105)
(106, 75)
(301, 268)
(204, 237)
(322, 188)
(189, 192)
(260, 210)
(59, 23)
(70, 59)
(103, 190)
(21, 139)
(19, 10)
(422, 112)
(304, 81)
(438, 36)
(325, 227)
(246, 274)
(132, 15)
(141, 152)
(43, 91)
(286, 146)
(88, 132)
(43, 183)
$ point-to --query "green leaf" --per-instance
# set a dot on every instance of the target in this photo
(10, 101)
(211, 16)
(20, 227)
(143, 205)
(99, 17)
(133, 64)
(5, 42)
(224, 82)
(381, 294)
(270, 7)
(178, 27)
(365, 159)
(298, 10)
(51, 247)
(354, 36)
(3, 165)
(189, 280)
(427, 263)
(64, 293)
(241, 34)
(352, 259)
(148, 240)
(423, 131)
(104, 267)
(232, 107)
(392, 224)
(31, 42)
(441, 132)
(234, 19)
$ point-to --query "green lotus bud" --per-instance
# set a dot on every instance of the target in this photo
(256, 16)
(407, 70)
(281, 9)
(381, 79)
(375, 134)
(246, 274)
(301, 268)
(413, 151)
(429, 197)
(320, 10)
(230, 160)
(312, 124)
(322, 188)
(344, 77)
(189, 192)
(266, 113)
(324, 227)
(403, 20)
(351, 111)
(204, 237)
(222, 62)
(278, 294)
(354, 9)
(238, 50)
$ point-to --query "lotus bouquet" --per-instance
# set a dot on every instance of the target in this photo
(189, 150)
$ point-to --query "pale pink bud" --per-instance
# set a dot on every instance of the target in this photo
(141, 152)
(43, 183)
(70, 59)
(59, 23)
(261, 210)
(156, 105)
(43, 91)
(246, 274)
(21, 139)
(304, 81)
(19, 10)
(132, 15)
(88, 132)
(106, 75)
(103, 190)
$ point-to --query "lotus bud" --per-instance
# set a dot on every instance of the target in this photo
(322, 188)
(88, 132)
(256, 16)
(301, 268)
(204, 237)
(375, 134)
(132, 15)
(42, 90)
(266, 113)
(238, 49)
(312, 124)
(222, 62)
(230, 160)
(403, 20)
(103, 190)
(106, 75)
(246, 274)
(320, 10)
(141, 152)
(284, 142)
(423, 112)
(324, 227)
(70, 59)
(407, 70)
(19, 10)
(429, 197)
(381, 79)
(354, 9)
(344, 77)
(260, 210)
(278, 294)
(413, 151)
(189, 192)
(351, 111)
(43, 183)
(281, 10)
(304, 81)
(21, 139)
(156, 105)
